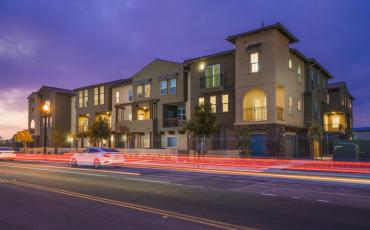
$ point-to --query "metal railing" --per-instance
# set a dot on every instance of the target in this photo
(212, 81)
(255, 114)
(172, 122)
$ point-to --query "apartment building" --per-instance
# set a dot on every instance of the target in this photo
(262, 82)
(56, 118)
(91, 103)
(154, 114)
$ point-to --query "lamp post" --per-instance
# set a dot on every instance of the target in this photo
(45, 109)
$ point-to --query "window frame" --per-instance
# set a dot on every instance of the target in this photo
(170, 88)
(167, 141)
(213, 105)
(254, 64)
(163, 88)
(223, 96)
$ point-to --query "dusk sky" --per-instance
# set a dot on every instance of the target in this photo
(74, 43)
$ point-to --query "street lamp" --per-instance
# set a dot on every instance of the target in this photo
(45, 109)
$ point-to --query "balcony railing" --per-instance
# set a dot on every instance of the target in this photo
(255, 114)
(83, 128)
(337, 128)
(280, 113)
(172, 122)
(212, 81)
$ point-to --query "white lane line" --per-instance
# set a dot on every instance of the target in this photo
(145, 180)
(323, 201)
(296, 197)
(267, 194)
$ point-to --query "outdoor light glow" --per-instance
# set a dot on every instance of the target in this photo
(202, 65)
(45, 107)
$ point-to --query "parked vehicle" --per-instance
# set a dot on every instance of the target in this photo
(7, 153)
(97, 157)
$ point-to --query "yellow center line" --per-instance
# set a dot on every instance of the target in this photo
(261, 174)
(63, 167)
(176, 215)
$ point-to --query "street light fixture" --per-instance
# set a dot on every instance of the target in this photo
(46, 110)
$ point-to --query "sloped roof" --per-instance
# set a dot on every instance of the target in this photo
(210, 55)
(338, 85)
(108, 83)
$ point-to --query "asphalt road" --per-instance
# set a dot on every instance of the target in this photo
(55, 196)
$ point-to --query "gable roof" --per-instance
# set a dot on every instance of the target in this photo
(210, 55)
(339, 85)
(108, 83)
(277, 26)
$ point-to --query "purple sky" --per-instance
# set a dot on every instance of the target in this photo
(79, 42)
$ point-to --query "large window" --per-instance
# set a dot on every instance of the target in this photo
(147, 90)
(163, 86)
(213, 102)
(181, 114)
(101, 95)
(139, 91)
(225, 103)
(172, 86)
(86, 97)
(335, 122)
(212, 78)
(171, 142)
(299, 75)
(290, 105)
(254, 58)
(80, 99)
(96, 96)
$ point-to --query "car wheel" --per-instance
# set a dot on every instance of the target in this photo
(74, 163)
(97, 164)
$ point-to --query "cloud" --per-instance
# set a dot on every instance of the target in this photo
(14, 47)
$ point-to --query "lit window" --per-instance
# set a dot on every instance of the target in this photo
(139, 91)
(335, 122)
(96, 96)
(101, 95)
(201, 101)
(130, 95)
(290, 105)
(147, 90)
(225, 103)
(50, 122)
(80, 99)
(163, 86)
(171, 142)
(290, 64)
(254, 62)
(213, 101)
(299, 75)
(299, 105)
(86, 97)
(172, 86)
(212, 78)
(117, 97)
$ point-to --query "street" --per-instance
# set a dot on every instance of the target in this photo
(36, 195)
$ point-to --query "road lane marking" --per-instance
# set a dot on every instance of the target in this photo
(146, 180)
(267, 194)
(63, 167)
(323, 201)
(161, 212)
(296, 197)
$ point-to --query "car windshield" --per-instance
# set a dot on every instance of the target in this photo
(5, 149)
(109, 150)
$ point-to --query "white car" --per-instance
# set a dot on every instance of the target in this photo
(97, 157)
(7, 153)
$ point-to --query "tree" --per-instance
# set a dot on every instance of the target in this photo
(99, 131)
(315, 133)
(24, 137)
(202, 124)
(244, 140)
(58, 139)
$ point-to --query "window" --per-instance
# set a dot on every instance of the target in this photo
(316, 110)
(171, 142)
(254, 62)
(312, 81)
(299, 75)
(201, 101)
(147, 90)
(290, 105)
(342, 101)
(86, 97)
(290, 64)
(172, 86)
(212, 78)
(163, 86)
(181, 114)
(130, 95)
(213, 103)
(80, 99)
(101, 95)
(327, 98)
(225, 103)
(318, 81)
(139, 91)
(335, 122)
(117, 97)
(96, 96)
(299, 105)
(50, 122)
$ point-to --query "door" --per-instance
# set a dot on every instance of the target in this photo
(259, 145)
(259, 104)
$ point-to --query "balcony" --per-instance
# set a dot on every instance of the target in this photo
(255, 114)
(172, 122)
(213, 81)
(83, 128)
